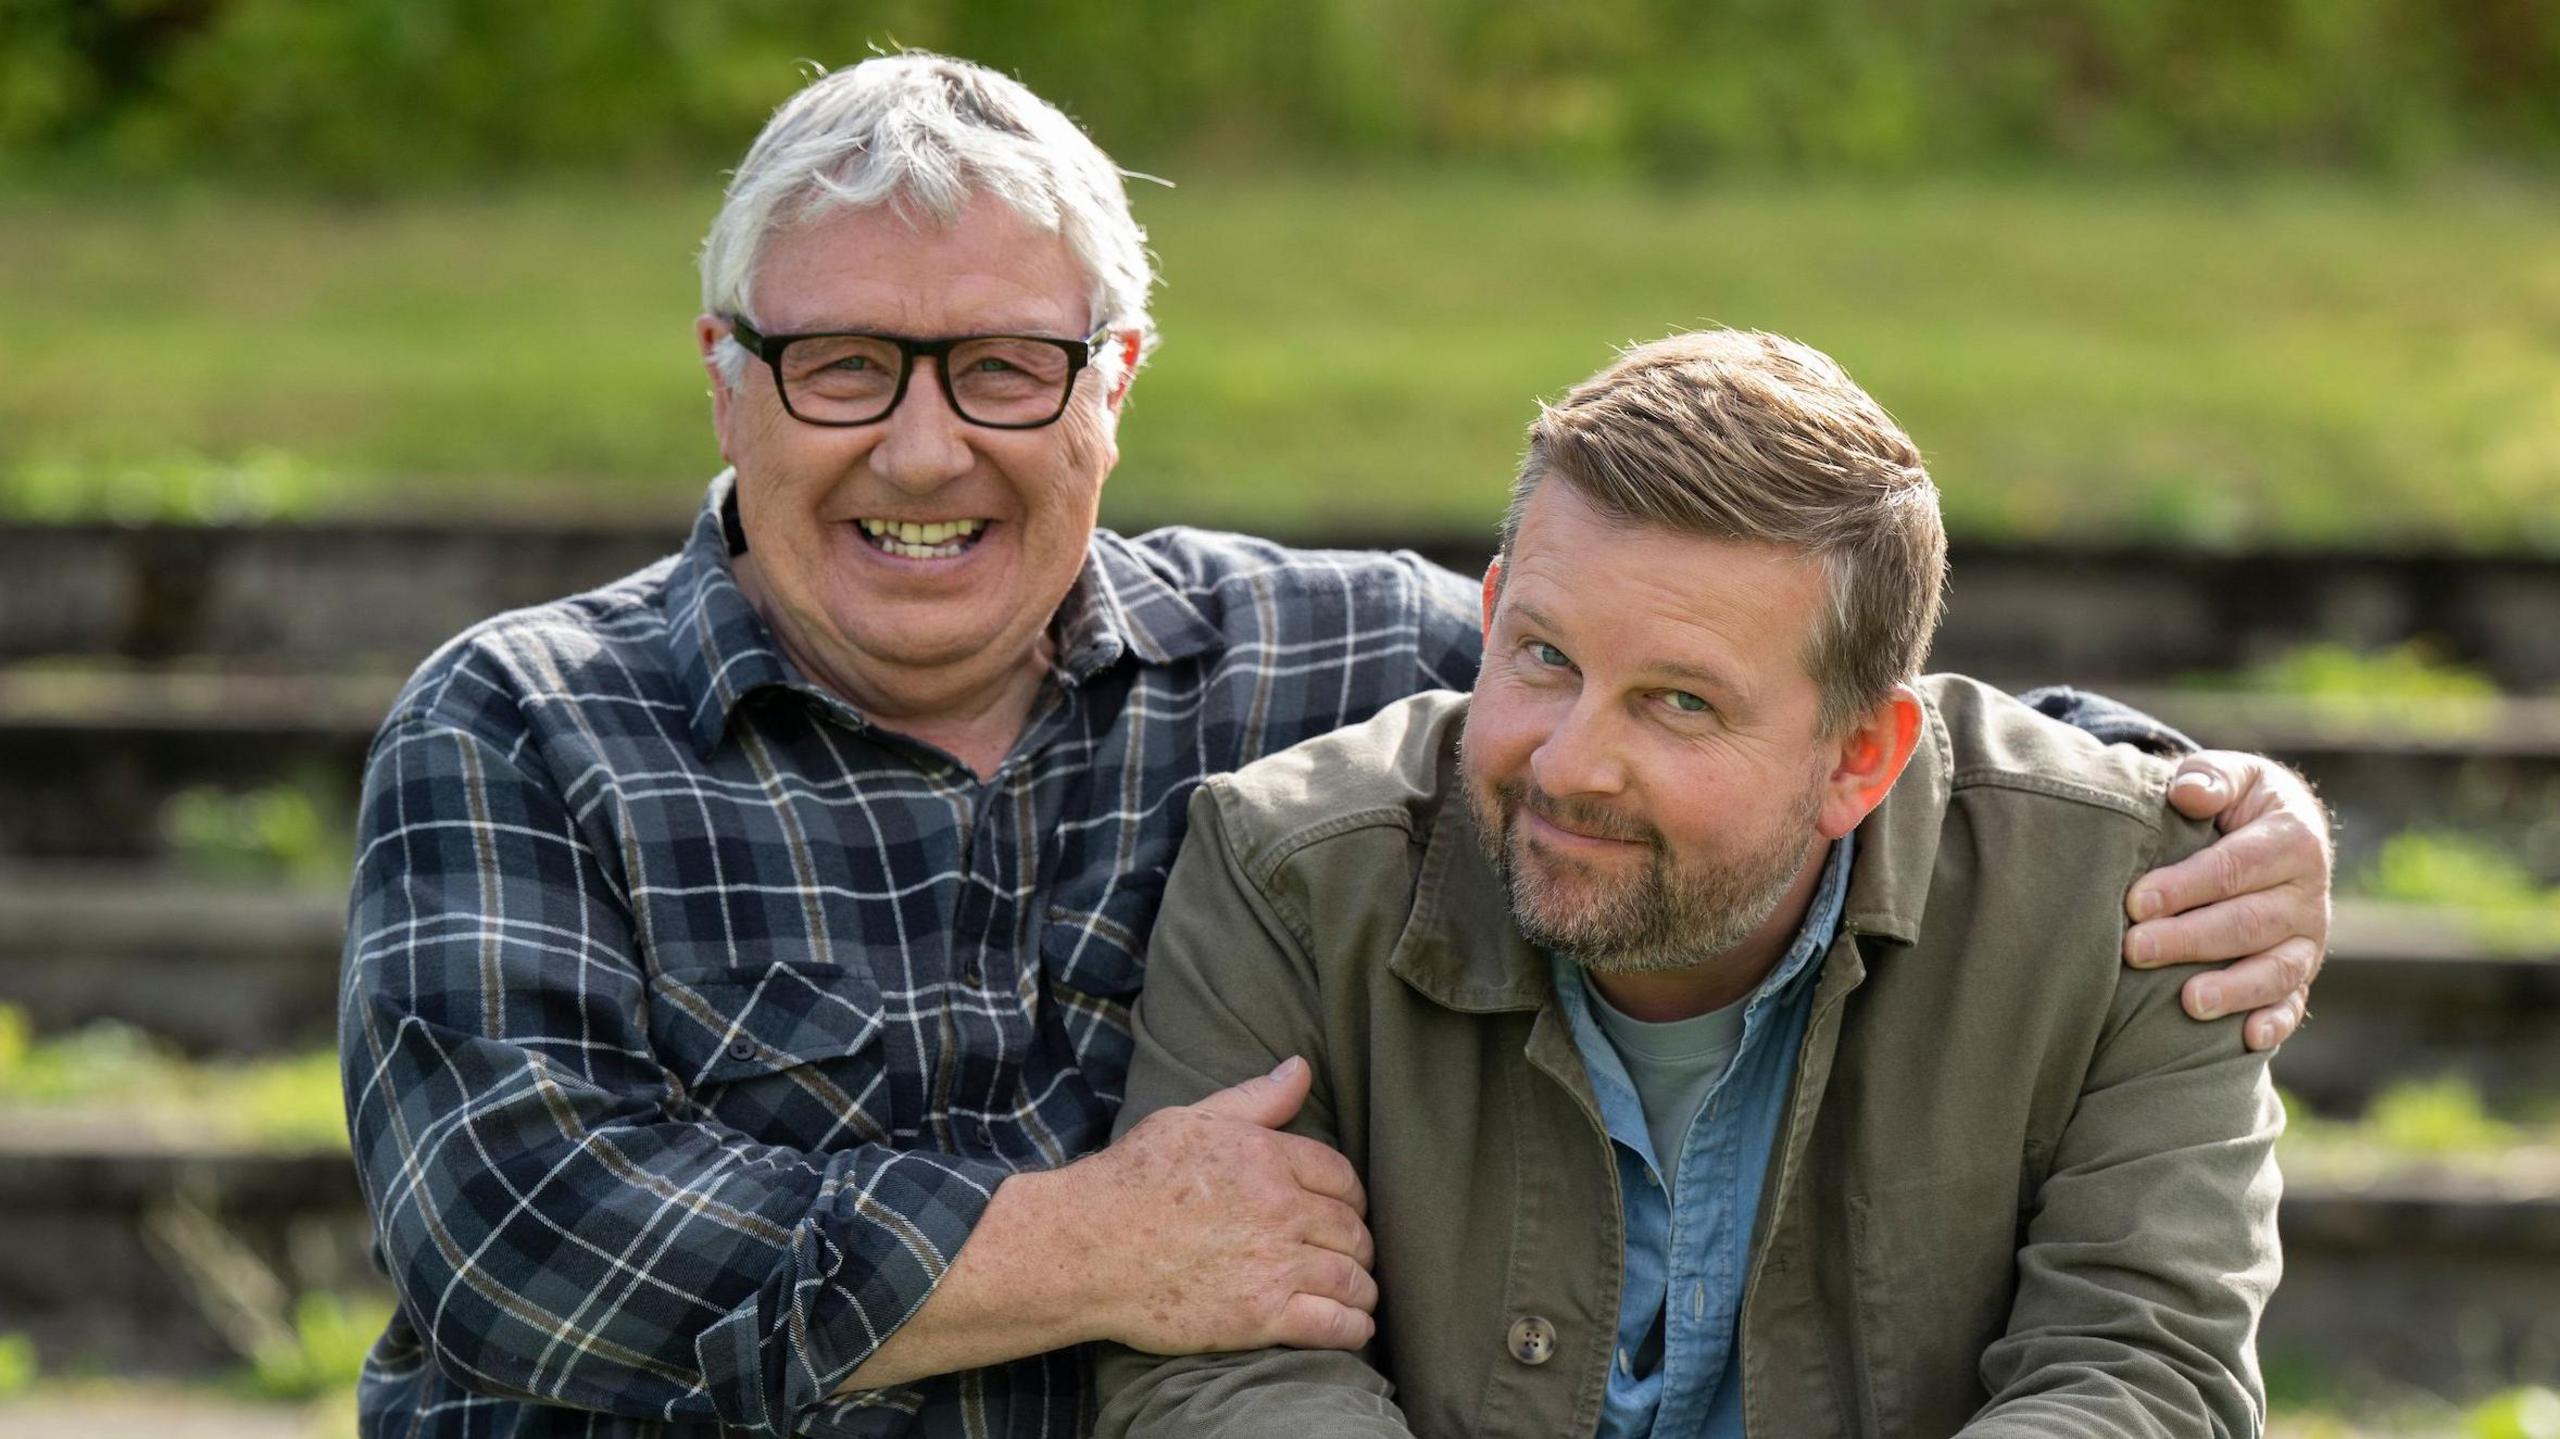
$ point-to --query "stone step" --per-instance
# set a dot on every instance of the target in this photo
(226, 969)
(351, 592)
(89, 754)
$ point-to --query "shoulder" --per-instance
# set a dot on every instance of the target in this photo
(1375, 786)
(1232, 574)
(1994, 744)
(500, 678)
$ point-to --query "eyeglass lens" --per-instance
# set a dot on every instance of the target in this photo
(848, 379)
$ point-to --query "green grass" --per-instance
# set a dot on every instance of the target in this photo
(2413, 670)
(107, 1066)
(2499, 899)
(2422, 1124)
(2289, 358)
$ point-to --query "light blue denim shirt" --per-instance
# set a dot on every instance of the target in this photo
(1689, 1249)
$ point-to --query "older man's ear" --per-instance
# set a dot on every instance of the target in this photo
(1132, 345)
(708, 332)
(1872, 756)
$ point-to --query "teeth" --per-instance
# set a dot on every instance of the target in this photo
(938, 532)
(937, 540)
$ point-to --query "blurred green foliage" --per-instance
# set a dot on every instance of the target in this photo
(17, 1364)
(261, 483)
(278, 832)
(2422, 1125)
(2494, 893)
(2531, 1412)
(330, 1337)
(2414, 670)
(382, 93)
(292, 1101)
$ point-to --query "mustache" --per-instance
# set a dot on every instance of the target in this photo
(1580, 816)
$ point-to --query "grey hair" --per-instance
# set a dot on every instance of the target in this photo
(924, 133)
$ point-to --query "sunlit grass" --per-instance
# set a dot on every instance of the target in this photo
(2495, 895)
(2435, 1124)
(107, 1066)
(2210, 361)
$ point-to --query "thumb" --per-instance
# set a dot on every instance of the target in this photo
(1270, 1100)
(2201, 789)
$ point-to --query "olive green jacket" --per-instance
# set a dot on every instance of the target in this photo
(2017, 1191)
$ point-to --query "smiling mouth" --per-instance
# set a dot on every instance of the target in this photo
(931, 540)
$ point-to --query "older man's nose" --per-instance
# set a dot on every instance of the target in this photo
(1578, 756)
(923, 443)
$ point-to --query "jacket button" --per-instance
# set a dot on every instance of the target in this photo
(1532, 1339)
(742, 1049)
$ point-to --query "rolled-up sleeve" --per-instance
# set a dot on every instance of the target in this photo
(560, 1221)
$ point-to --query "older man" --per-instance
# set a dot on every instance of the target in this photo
(732, 943)
(1730, 1033)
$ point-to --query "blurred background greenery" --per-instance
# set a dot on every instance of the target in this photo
(2222, 274)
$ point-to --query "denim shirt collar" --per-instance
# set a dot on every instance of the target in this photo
(1791, 979)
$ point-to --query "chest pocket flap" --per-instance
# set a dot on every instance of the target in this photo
(722, 1026)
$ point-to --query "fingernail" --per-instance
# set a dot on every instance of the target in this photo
(2208, 1002)
(2146, 903)
(1281, 1070)
(2145, 948)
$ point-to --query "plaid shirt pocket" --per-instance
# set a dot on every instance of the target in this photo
(792, 1045)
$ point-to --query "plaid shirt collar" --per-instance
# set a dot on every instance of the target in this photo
(723, 652)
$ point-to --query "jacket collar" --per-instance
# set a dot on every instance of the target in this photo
(1898, 844)
(1460, 949)
(1120, 605)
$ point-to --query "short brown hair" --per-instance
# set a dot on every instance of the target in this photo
(1741, 435)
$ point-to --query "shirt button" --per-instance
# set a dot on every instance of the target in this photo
(971, 974)
(742, 1048)
(1532, 1340)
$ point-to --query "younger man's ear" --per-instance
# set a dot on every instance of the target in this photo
(1872, 756)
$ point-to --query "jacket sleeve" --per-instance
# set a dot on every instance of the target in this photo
(560, 1223)
(1230, 994)
(2151, 1246)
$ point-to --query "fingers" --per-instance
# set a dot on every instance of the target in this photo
(2263, 982)
(2275, 1024)
(2202, 787)
(1312, 1322)
(1332, 1225)
(2272, 851)
(1319, 1168)
(2233, 929)
(1328, 1275)
(1270, 1100)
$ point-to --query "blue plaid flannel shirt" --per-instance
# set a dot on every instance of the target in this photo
(688, 1020)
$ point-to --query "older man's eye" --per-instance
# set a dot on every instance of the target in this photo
(1548, 655)
(1685, 702)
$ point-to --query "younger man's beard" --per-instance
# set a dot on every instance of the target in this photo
(1666, 917)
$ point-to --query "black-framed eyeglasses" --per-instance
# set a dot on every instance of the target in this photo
(843, 378)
